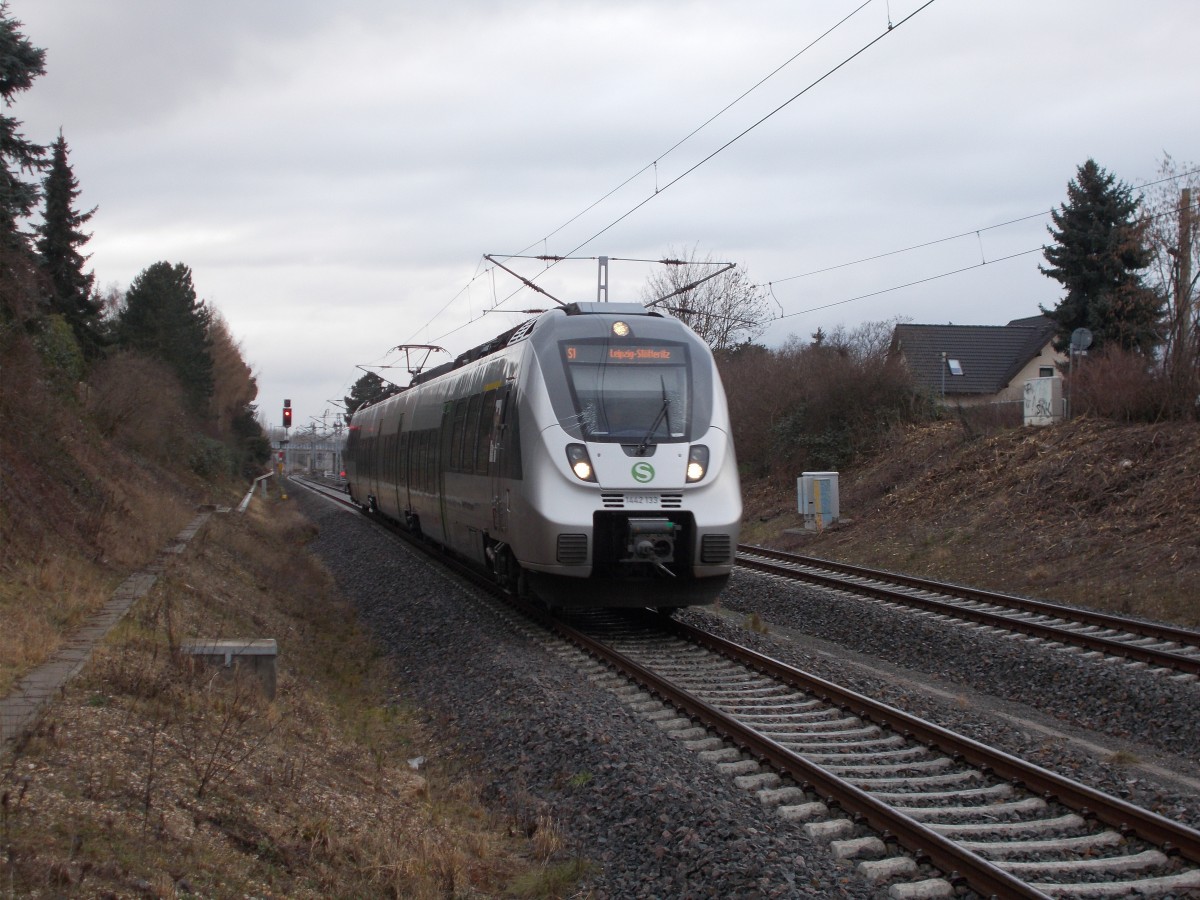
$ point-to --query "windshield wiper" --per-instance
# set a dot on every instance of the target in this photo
(645, 442)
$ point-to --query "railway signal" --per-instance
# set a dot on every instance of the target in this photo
(287, 413)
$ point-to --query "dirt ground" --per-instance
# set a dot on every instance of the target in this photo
(1091, 513)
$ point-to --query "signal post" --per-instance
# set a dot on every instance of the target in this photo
(287, 423)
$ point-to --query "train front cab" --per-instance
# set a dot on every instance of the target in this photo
(641, 503)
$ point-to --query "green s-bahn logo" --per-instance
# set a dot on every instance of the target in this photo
(643, 472)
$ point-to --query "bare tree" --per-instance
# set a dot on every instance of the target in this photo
(866, 342)
(725, 309)
(1170, 209)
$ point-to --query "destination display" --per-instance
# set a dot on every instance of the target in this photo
(635, 354)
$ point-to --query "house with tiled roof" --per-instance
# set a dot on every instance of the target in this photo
(970, 365)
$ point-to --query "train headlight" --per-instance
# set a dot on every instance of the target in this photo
(697, 462)
(580, 462)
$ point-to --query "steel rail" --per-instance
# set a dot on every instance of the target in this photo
(1158, 830)
(1160, 658)
(1156, 630)
(922, 841)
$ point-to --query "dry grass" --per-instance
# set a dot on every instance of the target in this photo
(149, 777)
(755, 623)
(153, 777)
(1093, 513)
(38, 604)
(53, 590)
(77, 514)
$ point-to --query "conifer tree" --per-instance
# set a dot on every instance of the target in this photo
(162, 318)
(1100, 248)
(20, 64)
(370, 388)
(59, 239)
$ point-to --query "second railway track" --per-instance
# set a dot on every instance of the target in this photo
(1161, 646)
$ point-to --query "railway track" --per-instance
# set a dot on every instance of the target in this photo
(899, 795)
(1176, 650)
(996, 824)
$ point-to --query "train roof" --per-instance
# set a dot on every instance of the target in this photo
(521, 331)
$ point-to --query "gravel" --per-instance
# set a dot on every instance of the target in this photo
(550, 744)
(1135, 714)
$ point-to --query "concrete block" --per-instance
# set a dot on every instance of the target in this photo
(257, 655)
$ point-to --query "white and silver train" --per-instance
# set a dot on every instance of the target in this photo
(584, 457)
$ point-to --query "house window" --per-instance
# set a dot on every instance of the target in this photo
(955, 366)
(1045, 371)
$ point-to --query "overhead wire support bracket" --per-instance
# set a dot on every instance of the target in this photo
(492, 259)
(725, 267)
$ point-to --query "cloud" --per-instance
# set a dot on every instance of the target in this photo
(333, 173)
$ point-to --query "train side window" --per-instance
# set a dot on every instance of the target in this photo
(393, 452)
(425, 454)
(457, 433)
(505, 445)
(512, 441)
(471, 434)
(420, 462)
(501, 411)
(402, 459)
(369, 456)
(484, 437)
(422, 459)
(433, 460)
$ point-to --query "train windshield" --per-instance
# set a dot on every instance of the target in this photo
(631, 392)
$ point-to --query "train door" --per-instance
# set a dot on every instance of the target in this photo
(444, 434)
(374, 457)
(498, 448)
(396, 468)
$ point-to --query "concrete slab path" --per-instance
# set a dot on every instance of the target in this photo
(22, 708)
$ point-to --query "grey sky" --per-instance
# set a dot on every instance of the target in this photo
(333, 173)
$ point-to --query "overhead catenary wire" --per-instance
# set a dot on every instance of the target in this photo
(948, 238)
(921, 246)
(976, 231)
(861, 50)
(985, 262)
(696, 130)
(784, 315)
(978, 265)
(659, 189)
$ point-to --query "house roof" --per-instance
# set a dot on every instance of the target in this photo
(989, 356)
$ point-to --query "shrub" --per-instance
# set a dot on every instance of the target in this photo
(988, 418)
(58, 347)
(1117, 384)
(210, 459)
(137, 402)
(816, 406)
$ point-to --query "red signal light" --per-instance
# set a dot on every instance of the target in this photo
(287, 417)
